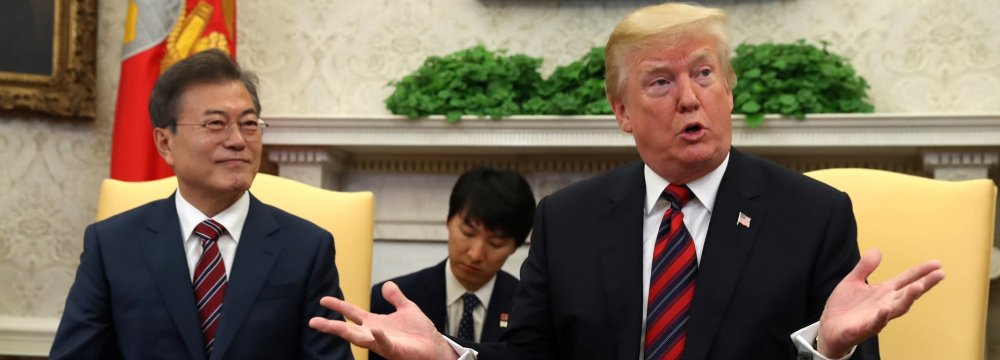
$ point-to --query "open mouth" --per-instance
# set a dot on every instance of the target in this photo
(693, 128)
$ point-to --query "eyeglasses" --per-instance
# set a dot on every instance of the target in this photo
(218, 128)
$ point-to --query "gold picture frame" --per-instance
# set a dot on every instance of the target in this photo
(68, 89)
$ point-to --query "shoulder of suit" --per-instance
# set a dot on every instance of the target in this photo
(138, 214)
(787, 181)
(505, 277)
(289, 220)
(407, 281)
(600, 183)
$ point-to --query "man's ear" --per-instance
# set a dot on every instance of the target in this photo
(621, 114)
(163, 138)
(729, 96)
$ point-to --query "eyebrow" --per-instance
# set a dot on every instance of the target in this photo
(248, 111)
(697, 56)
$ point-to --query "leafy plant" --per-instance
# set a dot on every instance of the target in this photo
(575, 88)
(795, 79)
(473, 81)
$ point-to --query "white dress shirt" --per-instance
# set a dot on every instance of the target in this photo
(453, 291)
(232, 218)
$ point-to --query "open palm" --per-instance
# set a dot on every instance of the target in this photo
(406, 334)
(856, 311)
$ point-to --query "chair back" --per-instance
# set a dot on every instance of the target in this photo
(349, 216)
(914, 219)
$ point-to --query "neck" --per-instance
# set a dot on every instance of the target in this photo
(212, 204)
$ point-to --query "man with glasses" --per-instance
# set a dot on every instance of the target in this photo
(165, 280)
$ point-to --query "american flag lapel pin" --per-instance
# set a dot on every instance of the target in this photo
(503, 319)
(743, 220)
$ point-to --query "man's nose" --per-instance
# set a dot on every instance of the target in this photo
(234, 138)
(476, 250)
(687, 100)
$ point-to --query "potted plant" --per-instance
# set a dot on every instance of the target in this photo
(474, 81)
(793, 80)
(576, 88)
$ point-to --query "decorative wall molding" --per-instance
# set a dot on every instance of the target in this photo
(27, 336)
(841, 133)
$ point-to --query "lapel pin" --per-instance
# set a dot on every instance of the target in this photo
(743, 220)
(503, 319)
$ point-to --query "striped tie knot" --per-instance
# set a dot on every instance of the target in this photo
(677, 195)
(208, 231)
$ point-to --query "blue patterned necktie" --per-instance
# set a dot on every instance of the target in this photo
(466, 329)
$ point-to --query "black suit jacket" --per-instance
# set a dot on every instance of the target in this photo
(133, 298)
(581, 284)
(426, 288)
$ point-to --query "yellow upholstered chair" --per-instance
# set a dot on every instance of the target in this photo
(913, 219)
(349, 216)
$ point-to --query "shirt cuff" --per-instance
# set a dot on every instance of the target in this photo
(804, 340)
(464, 353)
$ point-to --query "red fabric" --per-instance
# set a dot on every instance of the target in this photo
(133, 154)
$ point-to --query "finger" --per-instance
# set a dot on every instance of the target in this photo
(910, 293)
(881, 319)
(933, 279)
(866, 266)
(902, 304)
(350, 332)
(392, 294)
(382, 343)
(914, 274)
(350, 312)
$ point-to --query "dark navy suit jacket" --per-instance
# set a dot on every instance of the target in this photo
(581, 284)
(133, 298)
(426, 288)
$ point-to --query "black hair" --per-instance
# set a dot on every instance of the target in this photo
(206, 67)
(499, 200)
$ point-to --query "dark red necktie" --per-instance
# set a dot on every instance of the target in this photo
(671, 280)
(209, 280)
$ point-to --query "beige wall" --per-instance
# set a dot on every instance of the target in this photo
(335, 57)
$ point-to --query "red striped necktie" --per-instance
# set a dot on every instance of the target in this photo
(671, 280)
(209, 280)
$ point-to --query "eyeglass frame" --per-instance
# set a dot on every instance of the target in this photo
(261, 125)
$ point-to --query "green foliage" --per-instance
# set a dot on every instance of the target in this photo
(473, 81)
(576, 88)
(793, 80)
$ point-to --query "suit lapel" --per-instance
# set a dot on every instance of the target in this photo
(499, 303)
(164, 253)
(727, 246)
(620, 237)
(434, 292)
(255, 256)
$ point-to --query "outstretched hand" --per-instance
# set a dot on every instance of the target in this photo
(856, 311)
(406, 334)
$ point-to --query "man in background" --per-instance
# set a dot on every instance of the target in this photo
(210, 272)
(467, 295)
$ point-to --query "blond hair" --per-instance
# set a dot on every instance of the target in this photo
(652, 25)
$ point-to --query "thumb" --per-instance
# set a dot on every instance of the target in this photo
(866, 266)
(392, 294)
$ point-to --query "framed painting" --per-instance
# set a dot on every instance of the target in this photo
(47, 57)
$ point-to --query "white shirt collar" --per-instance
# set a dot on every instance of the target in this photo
(454, 289)
(232, 217)
(705, 188)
